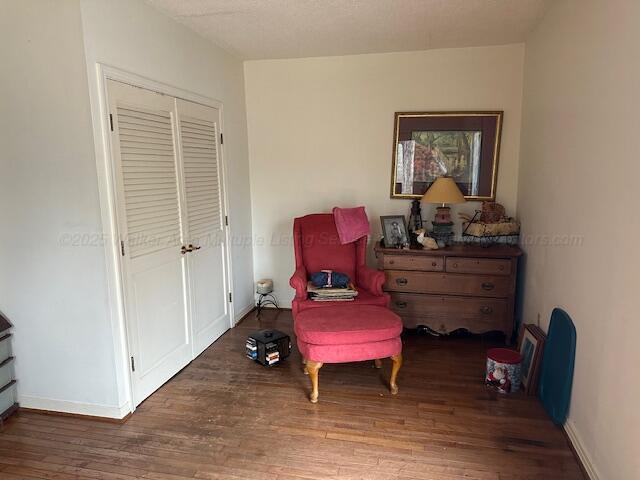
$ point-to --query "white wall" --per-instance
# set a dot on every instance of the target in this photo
(53, 292)
(68, 343)
(321, 133)
(579, 176)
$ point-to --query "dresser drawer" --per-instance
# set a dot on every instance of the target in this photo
(402, 262)
(448, 283)
(486, 266)
(448, 313)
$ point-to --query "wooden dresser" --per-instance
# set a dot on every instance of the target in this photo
(460, 286)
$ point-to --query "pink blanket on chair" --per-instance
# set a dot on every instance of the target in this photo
(351, 223)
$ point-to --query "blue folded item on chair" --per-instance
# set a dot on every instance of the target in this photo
(329, 278)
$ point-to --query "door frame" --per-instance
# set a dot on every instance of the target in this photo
(106, 173)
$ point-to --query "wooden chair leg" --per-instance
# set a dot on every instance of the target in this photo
(395, 368)
(378, 363)
(312, 369)
(304, 366)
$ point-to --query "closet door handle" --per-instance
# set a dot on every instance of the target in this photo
(194, 248)
(488, 286)
(400, 304)
(486, 310)
(402, 281)
(184, 249)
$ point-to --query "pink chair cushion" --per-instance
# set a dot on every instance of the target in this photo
(358, 352)
(363, 298)
(347, 325)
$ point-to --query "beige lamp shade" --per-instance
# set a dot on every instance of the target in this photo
(443, 190)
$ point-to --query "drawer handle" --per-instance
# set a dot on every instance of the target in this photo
(455, 265)
(486, 310)
(391, 262)
(434, 264)
(401, 304)
(488, 286)
(402, 281)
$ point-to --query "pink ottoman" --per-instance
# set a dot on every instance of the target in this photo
(348, 333)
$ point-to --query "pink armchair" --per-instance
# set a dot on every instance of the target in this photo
(336, 332)
(317, 247)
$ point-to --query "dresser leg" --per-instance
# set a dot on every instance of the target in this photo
(312, 369)
(395, 368)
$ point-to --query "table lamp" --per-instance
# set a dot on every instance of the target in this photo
(443, 191)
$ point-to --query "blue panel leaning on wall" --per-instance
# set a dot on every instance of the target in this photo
(558, 362)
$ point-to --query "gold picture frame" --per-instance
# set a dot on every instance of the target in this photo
(476, 134)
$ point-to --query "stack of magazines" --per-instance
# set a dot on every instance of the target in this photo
(331, 294)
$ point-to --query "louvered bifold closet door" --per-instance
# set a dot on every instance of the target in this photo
(199, 128)
(149, 179)
(144, 143)
(201, 177)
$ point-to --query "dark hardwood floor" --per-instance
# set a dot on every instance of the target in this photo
(225, 417)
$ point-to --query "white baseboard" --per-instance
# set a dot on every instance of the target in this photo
(578, 445)
(241, 312)
(77, 408)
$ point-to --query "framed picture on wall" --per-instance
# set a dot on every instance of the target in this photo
(462, 145)
(531, 346)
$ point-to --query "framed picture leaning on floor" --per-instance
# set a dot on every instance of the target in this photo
(531, 346)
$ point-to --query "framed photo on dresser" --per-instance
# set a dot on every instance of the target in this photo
(394, 229)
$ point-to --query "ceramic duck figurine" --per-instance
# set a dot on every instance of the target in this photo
(425, 241)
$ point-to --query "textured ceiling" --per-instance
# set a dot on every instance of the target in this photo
(253, 29)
